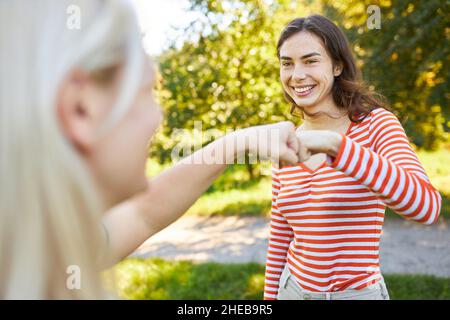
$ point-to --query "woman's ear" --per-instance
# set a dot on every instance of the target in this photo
(337, 69)
(74, 110)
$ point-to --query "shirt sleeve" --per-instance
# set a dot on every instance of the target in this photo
(390, 169)
(281, 235)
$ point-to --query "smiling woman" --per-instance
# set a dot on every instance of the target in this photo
(328, 210)
(320, 51)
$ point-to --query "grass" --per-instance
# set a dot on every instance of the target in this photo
(158, 279)
(178, 280)
(252, 201)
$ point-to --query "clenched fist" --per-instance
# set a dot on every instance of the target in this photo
(317, 141)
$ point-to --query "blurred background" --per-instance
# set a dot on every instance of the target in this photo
(218, 65)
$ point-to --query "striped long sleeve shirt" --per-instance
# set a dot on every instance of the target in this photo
(326, 223)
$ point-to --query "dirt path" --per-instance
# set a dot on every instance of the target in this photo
(406, 247)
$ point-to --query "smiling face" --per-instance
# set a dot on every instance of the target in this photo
(307, 72)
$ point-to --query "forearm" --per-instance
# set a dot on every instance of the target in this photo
(400, 189)
(171, 193)
(174, 191)
(389, 167)
(168, 196)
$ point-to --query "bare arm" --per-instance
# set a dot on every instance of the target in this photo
(172, 192)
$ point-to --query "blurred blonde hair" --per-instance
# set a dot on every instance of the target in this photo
(50, 213)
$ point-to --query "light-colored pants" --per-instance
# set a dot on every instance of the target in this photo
(290, 290)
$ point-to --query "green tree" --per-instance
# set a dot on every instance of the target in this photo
(226, 73)
(407, 60)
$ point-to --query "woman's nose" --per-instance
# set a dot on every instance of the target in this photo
(299, 73)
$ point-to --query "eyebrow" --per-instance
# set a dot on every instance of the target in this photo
(302, 57)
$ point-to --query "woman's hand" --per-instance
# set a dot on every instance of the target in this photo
(318, 141)
(276, 142)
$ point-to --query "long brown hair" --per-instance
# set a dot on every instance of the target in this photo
(349, 91)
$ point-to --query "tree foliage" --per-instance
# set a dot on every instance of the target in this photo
(226, 73)
(407, 59)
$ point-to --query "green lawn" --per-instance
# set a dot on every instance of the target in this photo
(253, 200)
(159, 279)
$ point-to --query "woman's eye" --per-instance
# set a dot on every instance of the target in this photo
(286, 64)
(311, 61)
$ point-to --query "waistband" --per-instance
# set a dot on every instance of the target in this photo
(349, 293)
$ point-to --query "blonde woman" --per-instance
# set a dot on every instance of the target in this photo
(76, 114)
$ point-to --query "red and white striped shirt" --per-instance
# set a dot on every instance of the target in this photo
(326, 223)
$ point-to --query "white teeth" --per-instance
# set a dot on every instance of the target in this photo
(303, 89)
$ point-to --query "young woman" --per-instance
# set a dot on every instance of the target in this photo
(76, 113)
(328, 211)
